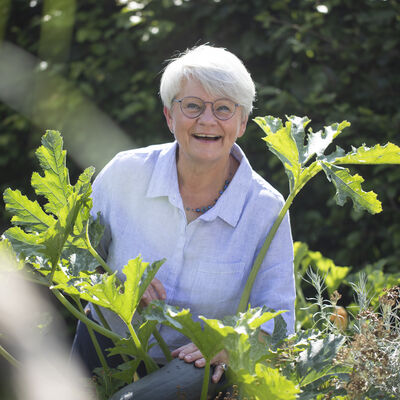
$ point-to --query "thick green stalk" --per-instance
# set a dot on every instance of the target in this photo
(81, 316)
(206, 379)
(261, 255)
(53, 270)
(13, 361)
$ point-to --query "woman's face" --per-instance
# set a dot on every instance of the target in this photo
(204, 138)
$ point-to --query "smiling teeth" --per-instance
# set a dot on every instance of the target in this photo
(207, 136)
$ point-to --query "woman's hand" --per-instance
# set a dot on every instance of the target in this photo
(155, 291)
(190, 353)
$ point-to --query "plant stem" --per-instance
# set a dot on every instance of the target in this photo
(161, 342)
(96, 345)
(106, 325)
(206, 379)
(261, 255)
(13, 361)
(149, 363)
(81, 316)
(101, 317)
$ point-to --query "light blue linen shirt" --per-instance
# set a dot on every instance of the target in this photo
(209, 259)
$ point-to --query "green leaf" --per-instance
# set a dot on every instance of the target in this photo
(26, 212)
(237, 334)
(316, 361)
(387, 154)
(24, 244)
(350, 186)
(320, 140)
(122, 299)
(279, 333)
(287, 142)
(54, 185)
(56, 236)
(209, 341)
(280, 142)
(8, 258)
(267, 383)
(333, 274)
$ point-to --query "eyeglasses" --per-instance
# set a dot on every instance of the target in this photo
(192, 107)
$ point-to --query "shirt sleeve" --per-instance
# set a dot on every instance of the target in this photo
(274, 286)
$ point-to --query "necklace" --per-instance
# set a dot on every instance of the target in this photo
(206, 208)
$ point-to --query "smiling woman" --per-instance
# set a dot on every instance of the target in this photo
(198, 203)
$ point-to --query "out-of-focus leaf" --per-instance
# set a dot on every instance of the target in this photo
(333, 274)
(8, 258)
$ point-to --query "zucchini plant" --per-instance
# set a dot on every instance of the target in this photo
(57, 241)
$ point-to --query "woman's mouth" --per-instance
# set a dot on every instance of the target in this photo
(207, 138)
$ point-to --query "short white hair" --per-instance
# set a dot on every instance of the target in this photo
(219, 71)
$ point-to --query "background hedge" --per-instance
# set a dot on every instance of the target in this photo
(96, 74)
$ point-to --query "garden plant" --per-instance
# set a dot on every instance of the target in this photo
(54, 239)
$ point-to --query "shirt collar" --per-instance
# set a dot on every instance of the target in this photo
(164, 179)
(164, 182)
(230, 205)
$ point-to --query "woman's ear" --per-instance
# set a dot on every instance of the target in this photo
(243, 125)
(169, 118)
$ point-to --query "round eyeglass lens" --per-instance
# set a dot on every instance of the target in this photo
(224, 108)
(192, 107)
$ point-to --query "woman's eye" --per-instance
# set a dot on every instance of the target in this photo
(223, 108)
(193, 106)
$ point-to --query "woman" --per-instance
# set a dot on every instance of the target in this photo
(198, 203)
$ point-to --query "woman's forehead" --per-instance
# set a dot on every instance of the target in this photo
(193, 87)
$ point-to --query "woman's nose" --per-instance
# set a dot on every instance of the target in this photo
(207, 115)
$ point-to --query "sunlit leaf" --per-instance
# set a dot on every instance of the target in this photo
(54, 185)
(27, 213)
(122, 299)
(387, 154)
(280, 142)
(317, 142)
(350, 186)
(267, 383)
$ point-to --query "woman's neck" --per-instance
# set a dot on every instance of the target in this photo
(201, 185)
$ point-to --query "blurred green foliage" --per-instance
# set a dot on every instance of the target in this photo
(331, 60)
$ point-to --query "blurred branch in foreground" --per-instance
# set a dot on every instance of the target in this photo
(26, 85)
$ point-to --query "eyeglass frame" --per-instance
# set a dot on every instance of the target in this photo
(204, 108)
